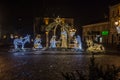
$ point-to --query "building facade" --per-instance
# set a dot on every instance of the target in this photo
(110, 28)
(114, 23)
(97, 32)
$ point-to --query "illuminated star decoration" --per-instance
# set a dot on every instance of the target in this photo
(58, 20)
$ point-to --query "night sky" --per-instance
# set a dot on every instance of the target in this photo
(20, 14)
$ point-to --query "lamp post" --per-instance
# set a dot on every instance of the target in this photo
(117, 25)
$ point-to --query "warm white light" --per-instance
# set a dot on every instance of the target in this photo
(116, 23)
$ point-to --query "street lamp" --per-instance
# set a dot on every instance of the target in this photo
(117, 25)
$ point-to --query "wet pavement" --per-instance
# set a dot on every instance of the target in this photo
(21, 66)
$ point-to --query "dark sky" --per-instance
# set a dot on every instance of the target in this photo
(20, 13)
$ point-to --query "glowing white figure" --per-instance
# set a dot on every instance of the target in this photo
(53, 42)
(21, 41)
(37, 43)
(79, 42)
(75, 43)
(64, 38)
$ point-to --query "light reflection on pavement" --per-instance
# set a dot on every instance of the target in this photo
(14, 66)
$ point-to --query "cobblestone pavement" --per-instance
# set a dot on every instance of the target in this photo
(18, 66)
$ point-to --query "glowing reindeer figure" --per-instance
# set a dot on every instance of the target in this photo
(21, 41)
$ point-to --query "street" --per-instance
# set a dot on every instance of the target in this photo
(20, 66)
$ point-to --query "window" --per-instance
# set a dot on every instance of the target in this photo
(118, 12)
(113, 13)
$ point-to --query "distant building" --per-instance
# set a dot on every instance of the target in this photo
(6, 31)
(107, 32)
(0, 31)
(96, 32)
(41, 23)
(114, 18)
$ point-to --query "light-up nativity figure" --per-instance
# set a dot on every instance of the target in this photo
(21, 42)
(37, 42)
(94, 47)
(64, 39)
(53, 42)
(79, 42)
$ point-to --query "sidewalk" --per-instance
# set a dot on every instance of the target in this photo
(112, 49)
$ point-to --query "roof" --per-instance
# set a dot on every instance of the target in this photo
(102, 23)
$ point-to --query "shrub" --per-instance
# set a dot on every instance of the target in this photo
(96, 72)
